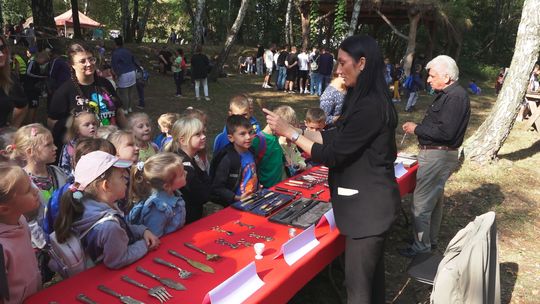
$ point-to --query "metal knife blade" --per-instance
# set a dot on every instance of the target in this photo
(198, 265)
(84, 299)
(165, 281)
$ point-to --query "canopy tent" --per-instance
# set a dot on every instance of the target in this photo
(66, 20)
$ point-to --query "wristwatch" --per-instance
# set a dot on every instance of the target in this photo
(295, 136)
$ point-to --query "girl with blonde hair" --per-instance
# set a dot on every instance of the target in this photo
(188, 139)
(154, 184)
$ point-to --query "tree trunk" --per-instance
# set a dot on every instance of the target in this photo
(354, 17)
(431, 40)
(486, 142)
(135, 20)
(197, 26)
(144, 20)
(304, 15)
(229, 42)
(126, 18)
(414, 17)
(43, 13)
(76, 22)
(288, 38)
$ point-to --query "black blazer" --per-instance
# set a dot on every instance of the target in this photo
(360, 153)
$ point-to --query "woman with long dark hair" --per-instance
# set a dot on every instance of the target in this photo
(85, 90)
(12, 99)
(360, 152)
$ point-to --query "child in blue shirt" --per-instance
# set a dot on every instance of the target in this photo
(233, 170)
(154, 185)
(239, 105)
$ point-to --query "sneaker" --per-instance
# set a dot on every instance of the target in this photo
(198, 98)
(140, 107)
(179, 95)
(207, 98)
(306, 91)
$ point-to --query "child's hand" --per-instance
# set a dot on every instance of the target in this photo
(152, 241)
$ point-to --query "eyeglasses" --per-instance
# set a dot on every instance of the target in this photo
(90, 60)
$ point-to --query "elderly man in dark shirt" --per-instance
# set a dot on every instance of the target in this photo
(440, 134)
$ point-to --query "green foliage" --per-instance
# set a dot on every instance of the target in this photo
(15, 10)
(340, 22)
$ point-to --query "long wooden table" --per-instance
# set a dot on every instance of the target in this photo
(281, 280)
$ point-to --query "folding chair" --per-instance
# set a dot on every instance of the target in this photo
(469, 270)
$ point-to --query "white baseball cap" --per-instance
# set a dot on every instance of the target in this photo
(93, 165)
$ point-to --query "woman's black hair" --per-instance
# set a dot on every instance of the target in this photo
(371, 80)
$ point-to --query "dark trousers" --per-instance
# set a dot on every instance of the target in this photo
(140, 92)
(364, 270)
(178, 79)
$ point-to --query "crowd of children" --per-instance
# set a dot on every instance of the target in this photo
(119, 190)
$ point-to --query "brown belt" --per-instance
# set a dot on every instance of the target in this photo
(445, 148)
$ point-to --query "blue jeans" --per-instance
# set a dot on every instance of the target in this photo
(315, 86)
(282, 76)
(325, 80)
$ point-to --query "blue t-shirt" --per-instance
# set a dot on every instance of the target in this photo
(249, 181)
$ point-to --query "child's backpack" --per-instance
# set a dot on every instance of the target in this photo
(408, 83)
(52, 208)
(69, 258)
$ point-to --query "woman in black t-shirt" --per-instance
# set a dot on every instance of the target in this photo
(12, 99)
(85, 90)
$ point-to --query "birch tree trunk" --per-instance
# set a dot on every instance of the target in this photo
(288, 38)
(231, 38)
(483, 146)
(414, 18)
(197, 26)
(76, 22)
(354, 17)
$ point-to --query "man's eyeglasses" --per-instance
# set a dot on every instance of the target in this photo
(91, 60)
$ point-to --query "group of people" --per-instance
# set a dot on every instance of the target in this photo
(200, 67)
(112, 171)
(295, 72)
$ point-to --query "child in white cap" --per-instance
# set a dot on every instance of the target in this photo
(100, 180)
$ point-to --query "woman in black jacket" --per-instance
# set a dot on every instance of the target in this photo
(360, 153)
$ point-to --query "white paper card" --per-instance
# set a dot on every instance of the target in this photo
(238, 287)
(329, 215)
(399, 170)
(295, 248)
(346, 191)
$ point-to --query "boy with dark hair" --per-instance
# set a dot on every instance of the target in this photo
(233, 171)
(238, 105)
(315, 119)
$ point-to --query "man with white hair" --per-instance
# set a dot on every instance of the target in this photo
(440, 134)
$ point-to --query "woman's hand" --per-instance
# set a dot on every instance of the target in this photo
(152, 241)
(278, 125)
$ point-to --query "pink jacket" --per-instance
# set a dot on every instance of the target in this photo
(24, 278)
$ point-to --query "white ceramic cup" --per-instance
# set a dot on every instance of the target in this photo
(259, 249)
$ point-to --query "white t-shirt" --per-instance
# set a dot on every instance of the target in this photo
(276, 55)
(303, 61)
(268, 59)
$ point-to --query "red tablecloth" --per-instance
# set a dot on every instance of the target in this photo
(281, 280)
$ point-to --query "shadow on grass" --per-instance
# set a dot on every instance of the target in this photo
(523, 153)
(509, 273)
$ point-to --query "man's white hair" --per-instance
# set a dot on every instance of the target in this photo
(445, 65)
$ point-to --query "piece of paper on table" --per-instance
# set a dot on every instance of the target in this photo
(328, 217)
(297, 247)
(237, 288)
(399, 170)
